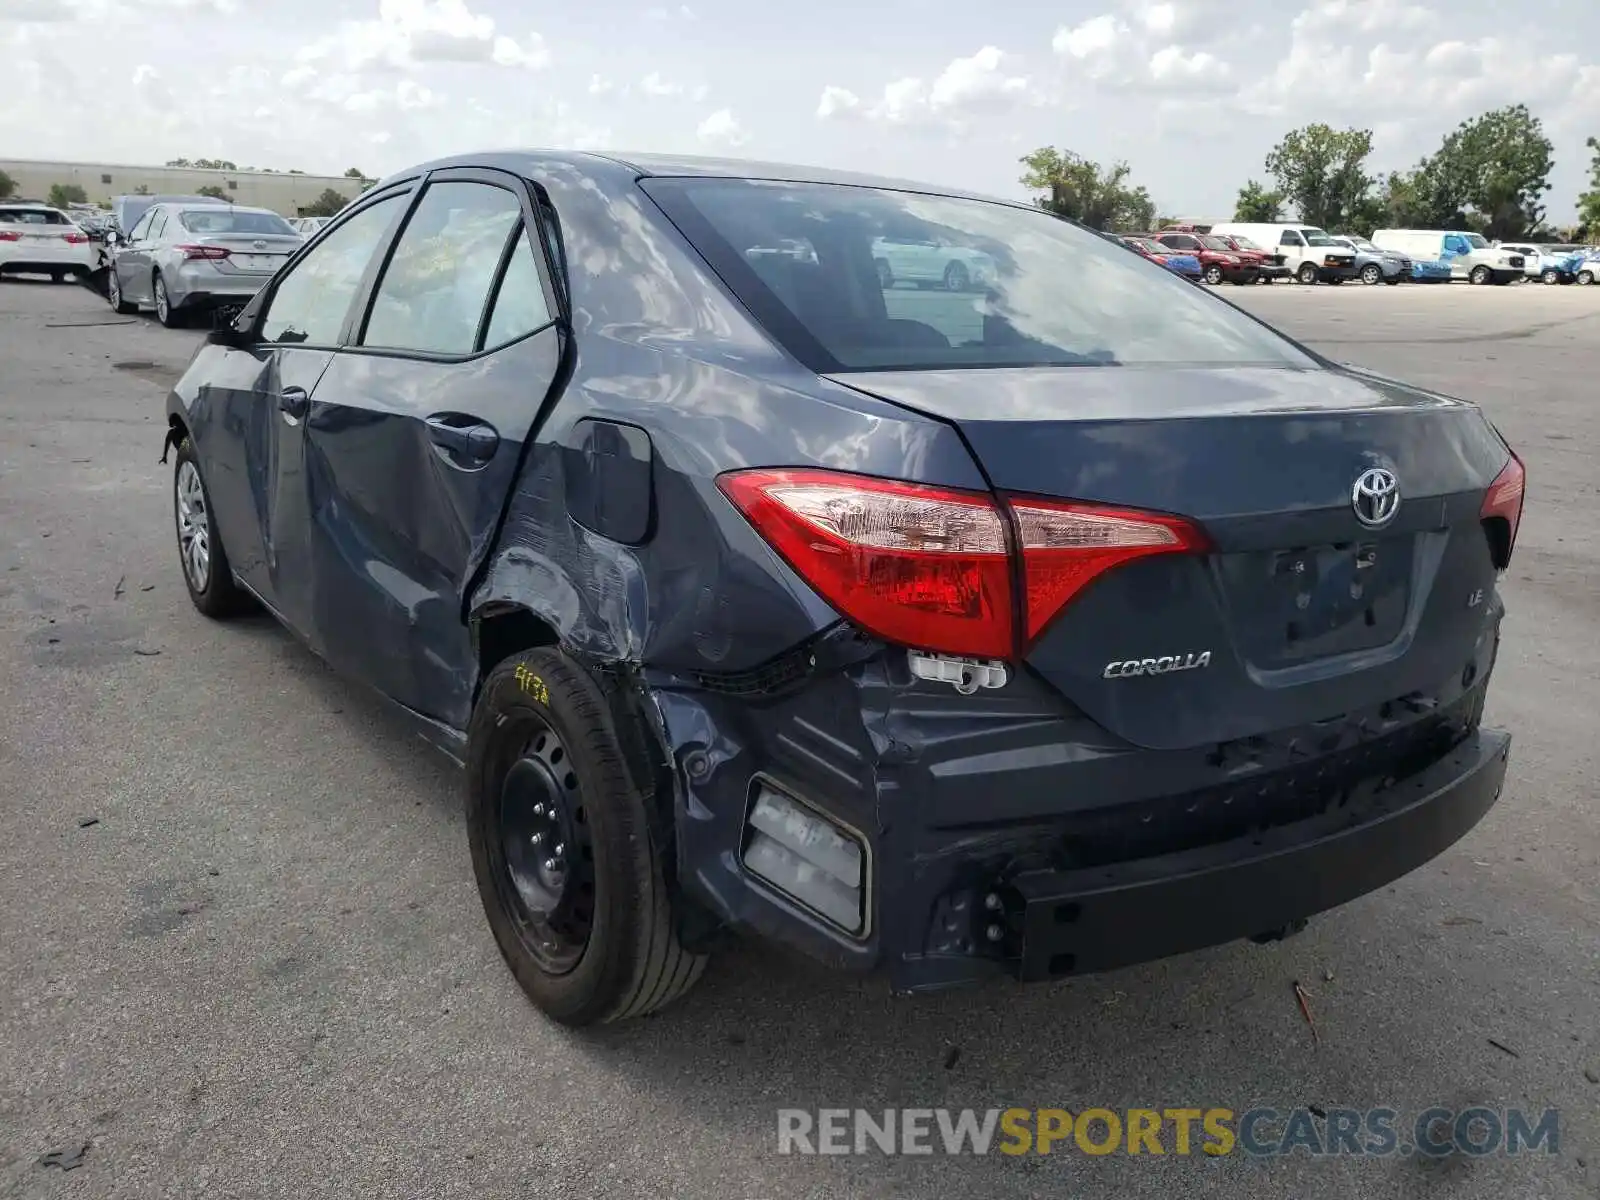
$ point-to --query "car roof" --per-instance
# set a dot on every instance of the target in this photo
(615, 163)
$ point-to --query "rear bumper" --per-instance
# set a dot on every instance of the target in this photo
(1007, 834)
(1064, 922)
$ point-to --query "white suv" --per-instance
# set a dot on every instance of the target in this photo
(41, 240)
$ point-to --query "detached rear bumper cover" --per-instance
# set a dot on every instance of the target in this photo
(1097, 919)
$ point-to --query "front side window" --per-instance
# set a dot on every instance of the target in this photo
(1477, 241)
(859, 279)
(311, 302)
(433, 292)
(141, 227)
(158, 224)
(1315, 237)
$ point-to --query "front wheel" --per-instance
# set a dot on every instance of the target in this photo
(1213, 275)
(1550, 277)
(957, 278)
(1371, 274)
(1480, 275)
(1307, 273)
(1586, 278)
(885, 274)
(568, 852)
(206, 572)
(114, 293)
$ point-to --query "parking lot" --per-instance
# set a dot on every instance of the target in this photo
(242, 954)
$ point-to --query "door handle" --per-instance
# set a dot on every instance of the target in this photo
(464, 436)
(294, 402)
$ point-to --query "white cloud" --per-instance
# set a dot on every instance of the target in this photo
(838, 102)
(599, 85)
(1142, 55)
(409, 33)
(654, 85)
(965, 89)
(722, 128)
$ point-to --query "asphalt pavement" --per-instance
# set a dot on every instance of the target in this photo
(241, 952)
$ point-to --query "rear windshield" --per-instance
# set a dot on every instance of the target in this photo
(858, 279)
(32, 216)
(224, 220)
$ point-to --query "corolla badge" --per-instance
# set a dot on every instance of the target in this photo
(1123, 667)
(1375, 497)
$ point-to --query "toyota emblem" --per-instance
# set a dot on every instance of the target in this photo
(1375, 497)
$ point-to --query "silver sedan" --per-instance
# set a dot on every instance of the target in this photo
(183, 258)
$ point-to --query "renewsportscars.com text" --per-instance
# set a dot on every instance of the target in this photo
(1257, 1132)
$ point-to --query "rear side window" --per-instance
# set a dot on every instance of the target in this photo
(434, 291)
(158, 223)
(311, 302)
(519, 304)
(853, 278)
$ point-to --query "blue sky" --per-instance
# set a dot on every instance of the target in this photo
(1191, 92)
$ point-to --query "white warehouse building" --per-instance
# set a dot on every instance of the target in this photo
(285, 192)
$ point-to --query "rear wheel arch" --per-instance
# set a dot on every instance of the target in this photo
(501, 630)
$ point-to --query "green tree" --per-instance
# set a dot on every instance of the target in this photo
(204, 164)
(63, 194)
(1086, 192)
(1492, 171)
(1322, 172)
(1588, 202)
(355, 173)
(8, 186)
(213, 191)
(326, 205)
(1256, 203)
(142, 190)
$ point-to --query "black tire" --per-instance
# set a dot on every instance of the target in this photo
(538, 712)
(1371, 274)
(1307, 273)
(1213, 275)
(957, 278)
(58, 276)
(1586, 278)
(1480, 276)
(885, 274)
(213, 590)
(165, 313)
(1550, 277)
(114, 294)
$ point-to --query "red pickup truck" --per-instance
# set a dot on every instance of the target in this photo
(1217, 261)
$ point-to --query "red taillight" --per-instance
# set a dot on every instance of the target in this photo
(1066, 546)
(75, 239)
(924, 567)
(7, 235)
(1502, 510)
(202, 251)
(931, 567)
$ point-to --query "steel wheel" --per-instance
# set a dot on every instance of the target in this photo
(1213, 275)
(194, 527)
(544, 859)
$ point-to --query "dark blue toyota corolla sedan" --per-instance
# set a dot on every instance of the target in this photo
(912, 578)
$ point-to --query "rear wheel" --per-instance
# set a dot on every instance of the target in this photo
(206, 572)
(1213, 274)
(568, 857)
(1586, 278)
(1551, 277)
(1307, 273)
(165, 313)
(1480, 275)
(885, 275)
(957, 278)
(1371, 274)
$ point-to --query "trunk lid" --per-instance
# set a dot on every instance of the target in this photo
(249, 254)
(1299, 612)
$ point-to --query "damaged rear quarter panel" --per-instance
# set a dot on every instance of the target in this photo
(659, 345)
